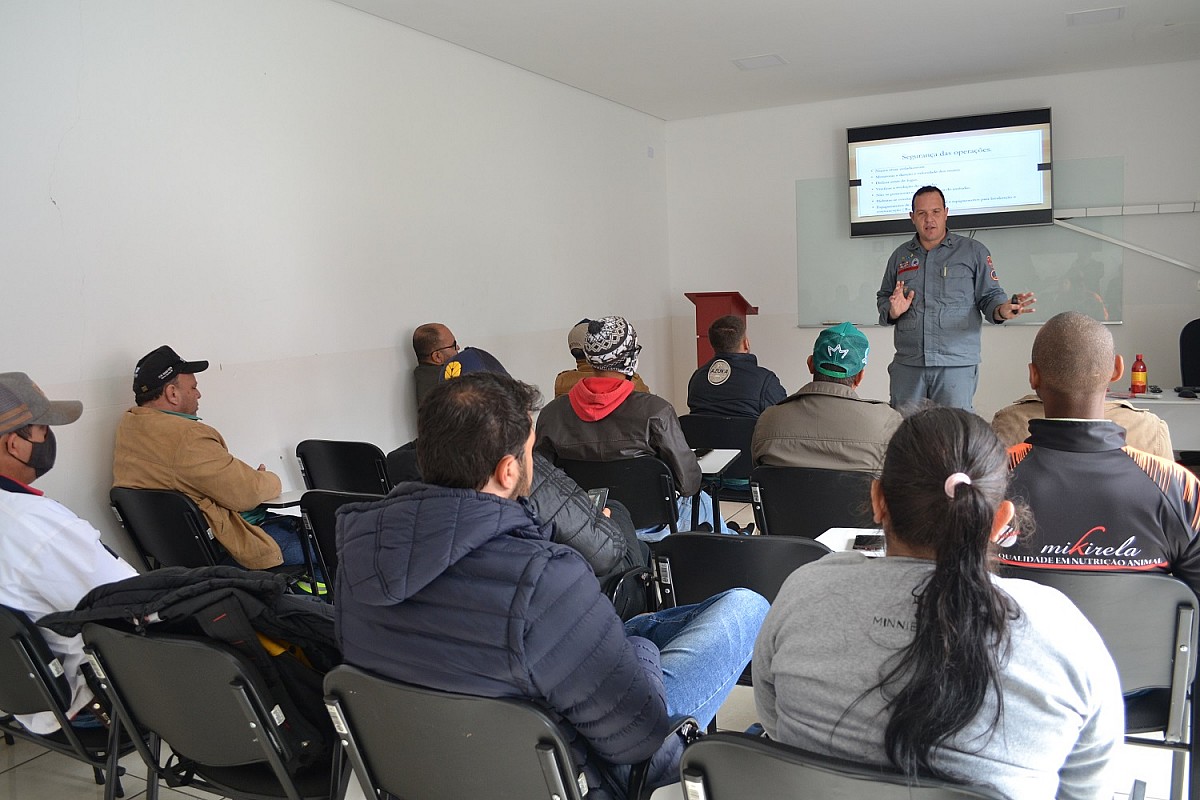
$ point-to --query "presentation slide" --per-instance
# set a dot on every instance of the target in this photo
(976, 170)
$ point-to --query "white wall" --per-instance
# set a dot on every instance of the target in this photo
(287, 188)
(731, 210)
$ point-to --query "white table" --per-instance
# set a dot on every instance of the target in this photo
(713, 465)
(837, 539)
(1182, 415)
(715, 462)
(285, 499)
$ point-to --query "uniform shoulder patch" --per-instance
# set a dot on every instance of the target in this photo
(719, 372)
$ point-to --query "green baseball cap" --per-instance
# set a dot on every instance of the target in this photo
(841, 351)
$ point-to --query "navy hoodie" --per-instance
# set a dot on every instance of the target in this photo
(463, 591)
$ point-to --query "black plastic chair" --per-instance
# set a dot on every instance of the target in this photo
(402, 464)
(417, 743)
(32, 682)
(1189, 371)
(1149, 624)
(318, 510)
(1189, 353)
(711, 432)
(209, 703)
(644, 485)
(732, 766)
(798, 501)
(692, 567)
(343, 466)
(168, 529)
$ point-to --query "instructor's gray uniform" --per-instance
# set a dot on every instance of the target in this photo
(937, 339)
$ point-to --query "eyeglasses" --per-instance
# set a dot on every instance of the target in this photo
(454, 345)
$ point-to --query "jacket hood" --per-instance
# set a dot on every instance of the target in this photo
(594, 399)
(395, 547)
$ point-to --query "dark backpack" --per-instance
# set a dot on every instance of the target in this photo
(289, 638)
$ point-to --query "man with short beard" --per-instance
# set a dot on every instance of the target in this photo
(454, 584)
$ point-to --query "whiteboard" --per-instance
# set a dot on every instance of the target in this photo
(837, 277)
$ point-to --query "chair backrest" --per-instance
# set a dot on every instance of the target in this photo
(1148, 622)
(318, 508)
(798, 501)
(1189, 353)
(31, 677)
(713, 432)
(691, 567)
(167, 528)
(730, 766)
(200, 696)
(402, 464)
(343, 466)
(422, 743)
(644, 485)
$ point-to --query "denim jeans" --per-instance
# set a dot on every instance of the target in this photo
(285, 531)
(703, 648)
(684, 521)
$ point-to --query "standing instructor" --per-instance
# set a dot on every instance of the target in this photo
(935, 291)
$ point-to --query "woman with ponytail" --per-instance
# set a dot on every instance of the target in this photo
(923, 659)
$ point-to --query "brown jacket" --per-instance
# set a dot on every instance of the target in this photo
(568, 378)
(159, 450)
(1143, 430)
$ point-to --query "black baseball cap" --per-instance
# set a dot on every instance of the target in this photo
(159, 367)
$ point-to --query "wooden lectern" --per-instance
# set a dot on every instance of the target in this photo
(709, 307)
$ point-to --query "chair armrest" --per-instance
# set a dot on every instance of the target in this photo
(687, 728)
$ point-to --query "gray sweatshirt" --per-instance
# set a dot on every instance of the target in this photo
(837, 620)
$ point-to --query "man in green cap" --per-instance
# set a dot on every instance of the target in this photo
(826, 425)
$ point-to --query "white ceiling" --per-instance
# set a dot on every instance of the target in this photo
(673, 58)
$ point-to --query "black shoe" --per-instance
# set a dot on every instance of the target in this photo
(704, 527)
(748, 530)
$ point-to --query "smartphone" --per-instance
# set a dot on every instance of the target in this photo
(869, 542)
(599, 498)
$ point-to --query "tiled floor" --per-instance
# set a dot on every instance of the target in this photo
(28, 772)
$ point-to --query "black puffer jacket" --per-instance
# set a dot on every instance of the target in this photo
(608, 543)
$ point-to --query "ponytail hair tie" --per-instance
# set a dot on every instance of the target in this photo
(955, 480)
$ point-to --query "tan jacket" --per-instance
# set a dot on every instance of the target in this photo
(159, 450)
(825, 426)
(568, 378)
(1143, 430)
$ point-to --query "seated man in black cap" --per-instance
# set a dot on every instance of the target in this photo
(162, 444)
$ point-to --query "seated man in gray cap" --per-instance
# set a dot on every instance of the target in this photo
(826, 425)
(49, 558)
(162, 444)
(568, 378)
(602, 419)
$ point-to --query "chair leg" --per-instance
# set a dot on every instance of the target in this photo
(9, 740)
(1179, 765)
(98, 774)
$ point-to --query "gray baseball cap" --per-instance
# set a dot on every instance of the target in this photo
(23, 403)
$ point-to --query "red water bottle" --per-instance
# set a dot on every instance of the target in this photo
(1137, 376)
